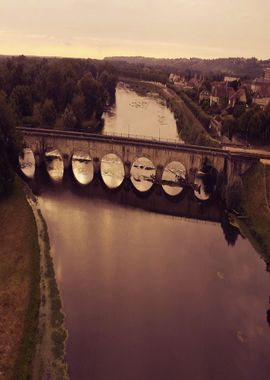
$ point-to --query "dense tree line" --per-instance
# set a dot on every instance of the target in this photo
(9, 146)
(212, 68)
(195, 108)
(60, 93)
(140, 71)
(252, 125)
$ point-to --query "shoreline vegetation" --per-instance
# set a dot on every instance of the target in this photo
(189, 127)
(32, 333)
(255, 204)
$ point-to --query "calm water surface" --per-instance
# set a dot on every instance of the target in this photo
(149, 296)
(134, 114)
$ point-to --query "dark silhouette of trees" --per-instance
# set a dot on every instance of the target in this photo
(45, 91)
(9, 146)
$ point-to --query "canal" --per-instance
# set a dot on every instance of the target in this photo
(150, 296)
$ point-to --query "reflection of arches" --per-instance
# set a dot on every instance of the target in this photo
(54, 165)
(82, 167)
(205, 181)
(27, 163)
(112, 170)
(142, 174)
(173, 176)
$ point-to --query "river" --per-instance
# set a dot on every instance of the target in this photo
(149, 296)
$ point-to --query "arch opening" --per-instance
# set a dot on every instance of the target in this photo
(82, 167)
(54, 165)
(142, 174)
(173, 177)
(27, 163)
(112, 170)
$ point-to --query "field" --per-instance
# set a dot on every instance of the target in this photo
(19, 285)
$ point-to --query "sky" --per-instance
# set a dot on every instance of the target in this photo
(153, 28)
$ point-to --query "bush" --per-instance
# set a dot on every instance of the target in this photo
(233, 194)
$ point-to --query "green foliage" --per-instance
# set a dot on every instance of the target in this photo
(40, 90)
(254, 125)
(48, 112)
(9, 146)
(195, 108)
(229, 127)
(233, 194)
(21, 101)
(69, 119)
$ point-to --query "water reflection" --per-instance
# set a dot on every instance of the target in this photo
(172, 175)
(54, 164)
(82, 167)
(27, 163)
(154, 297)
(142, 174)
(200, 190)
(112, 170)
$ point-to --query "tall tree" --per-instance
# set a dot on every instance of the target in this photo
(9, 146)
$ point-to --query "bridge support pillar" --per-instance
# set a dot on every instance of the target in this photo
(127, 167)
(159, 172)
(96, 165)
(66, 161)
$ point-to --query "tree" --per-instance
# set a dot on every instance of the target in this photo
(9, 146)
(233, 193)
(78, 107)
(69, 119)
(21, 101)
(48, 112)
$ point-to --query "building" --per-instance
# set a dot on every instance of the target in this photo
(262, 97)
(221, 93)
(239, 96)
(204, 95)
(259, 84)
(267, 73)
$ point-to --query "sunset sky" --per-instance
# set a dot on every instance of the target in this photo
(157, 28)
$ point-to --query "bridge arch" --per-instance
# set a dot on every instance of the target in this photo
(142, 174)
(54, 164)
(27, 162)
(112, 170)
(82, 167)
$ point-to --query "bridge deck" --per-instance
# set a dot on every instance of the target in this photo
(241, 153)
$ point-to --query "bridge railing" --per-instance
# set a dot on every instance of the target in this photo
(143, 137)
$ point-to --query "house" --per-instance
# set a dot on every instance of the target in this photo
(267, 73)
(259, 84)
(204, 95)
(174, 78)
(262, 97)
(239, 96)
(220, 94)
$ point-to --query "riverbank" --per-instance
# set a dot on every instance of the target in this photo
(19, 285)
(32, 334)
(255, 204)
(49, 360)
(189, 127)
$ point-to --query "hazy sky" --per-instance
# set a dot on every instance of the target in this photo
(158, 28)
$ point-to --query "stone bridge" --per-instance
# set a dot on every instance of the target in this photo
(128, 150)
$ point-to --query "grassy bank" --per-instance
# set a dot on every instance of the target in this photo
(189, 127)
(19, 285)
(255, 199)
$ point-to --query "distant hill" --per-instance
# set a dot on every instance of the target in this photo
(242, 67)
